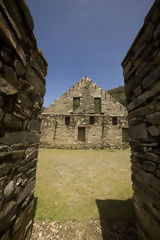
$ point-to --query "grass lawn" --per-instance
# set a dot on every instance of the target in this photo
(70, 183)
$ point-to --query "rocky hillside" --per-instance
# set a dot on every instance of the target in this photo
(119, 94)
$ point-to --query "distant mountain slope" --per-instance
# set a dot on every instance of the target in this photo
(119, 94)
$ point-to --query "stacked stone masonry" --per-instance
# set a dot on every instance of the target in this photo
(142, 85)
(87, 126)
(22, 86)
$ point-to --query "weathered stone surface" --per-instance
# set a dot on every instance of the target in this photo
(153, 130)
(149, 166)
(138, 91)
(140, 100)
(43, 59)
(26, 14)
(158, 173)
(19, 97)
(35, 81)
(4, 170)
(8, 35)
(26, 192)
(135, 121)
(5, 236)
(30, 154)
(34, 125)
(6, 54)
(154, 118)
(36, 68)
(7, 214)
(19, 67)
(6, 88)
(152, 157)
(138, 132)
(20, 137)
(18, 154)
(5, 149)
(1, 102)
(12, 122)
(1, 114)
(142, 90)
(151, 78)
(10, 75)
(156, 33)
(17, 146)
(10, 20)
(9, 189)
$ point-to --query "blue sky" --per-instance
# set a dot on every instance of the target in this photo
(85, 38)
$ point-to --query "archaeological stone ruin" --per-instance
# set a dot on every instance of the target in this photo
(85, 117)
(142, 82)
(22, 86)
(84, 110)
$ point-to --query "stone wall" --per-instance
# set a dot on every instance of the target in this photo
(22, 86)
(101, 134)
(142, 82)
(86, 90)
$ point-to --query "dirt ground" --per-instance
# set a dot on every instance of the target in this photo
(92, 230)
(84, 195)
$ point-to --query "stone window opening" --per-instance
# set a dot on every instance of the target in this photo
(114, 120)
(97, 105)
(76, 103)
(91, 120)
(81, 134)
(67, 121)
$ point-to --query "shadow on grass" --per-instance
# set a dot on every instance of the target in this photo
(117, 219)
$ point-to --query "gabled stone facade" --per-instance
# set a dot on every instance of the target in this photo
(85, 117)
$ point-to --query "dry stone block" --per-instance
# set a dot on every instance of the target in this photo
(34, 125)
(1, 114)
(28, 190)
(19, 137)
(154, 118)
(19, 67)
(7, 215)
(12, 122)
(35, 81)
(152, 157)
(4, 169)
(11, 39)
(149, 166)
(9, 189)
(153, 130)
(138, 132)
(10, 75)
(7, 88)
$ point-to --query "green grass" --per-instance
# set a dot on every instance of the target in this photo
(70, 181)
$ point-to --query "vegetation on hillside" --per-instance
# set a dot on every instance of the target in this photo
(119, 94)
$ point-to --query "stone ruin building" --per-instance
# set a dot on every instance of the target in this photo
(85, 117)
(22, 86)
(142, 80)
